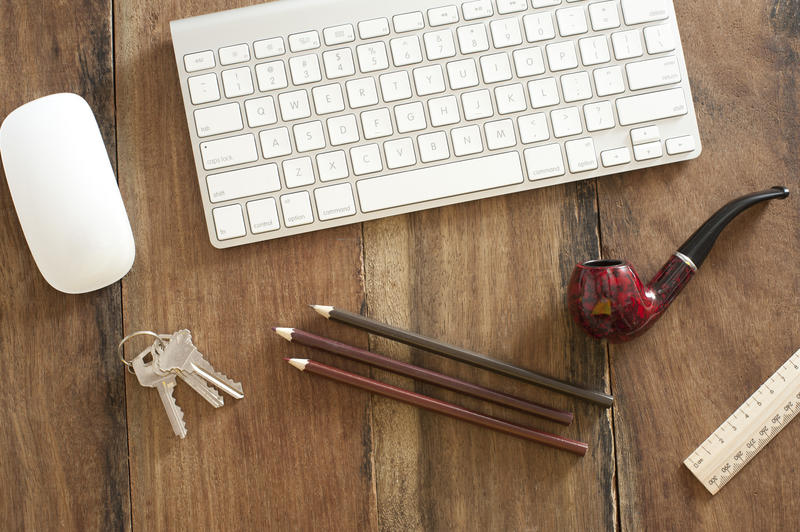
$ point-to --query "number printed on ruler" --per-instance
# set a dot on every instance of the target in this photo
(749, 429)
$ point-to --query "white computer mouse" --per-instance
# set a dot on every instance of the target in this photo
(65, 193)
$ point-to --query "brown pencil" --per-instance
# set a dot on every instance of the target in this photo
(416, 372)
(458, 353)
(435, 405)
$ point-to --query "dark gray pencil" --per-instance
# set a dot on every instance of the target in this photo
(460, 354)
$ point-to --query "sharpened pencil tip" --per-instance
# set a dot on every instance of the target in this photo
(284, 332)
(322, 310)
(287, 359)
(299, 363)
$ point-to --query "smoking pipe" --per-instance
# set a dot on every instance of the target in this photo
(607, 298)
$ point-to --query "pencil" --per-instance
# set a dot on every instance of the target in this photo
(435, 405)
(416, 372)
(460, 354)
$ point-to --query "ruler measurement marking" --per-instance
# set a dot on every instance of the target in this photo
(763, 420)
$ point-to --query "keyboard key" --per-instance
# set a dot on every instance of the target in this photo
(443, 111)
(328, 99)
(376, 124)
(439, 44)
(297, 209)
(229, 222)
(544, 162)
(477, 9)
(275, 142)
(609, 81)
(300, 42)
(477, 104)
(462, 74)
(410, 117)
(263, 215)
(228, 152)
(500, 134)
(581, 155)
(332, 166)
(203, 89)
(309, 136)
(638, 11)
(335, 202)
(571, 21)
(529, 62)
(504, 7)
(294, 105)
(439, 16)
(260, 111)
(616, 157)
(269, 48)
(339, 34)
(566, 122)
(343, 130)
(219, 119)
(594, 50)
(429, 80)
(659, 39)
(506, 32)
(466, 140)
(652, 106)
(599, 116)
(234, 54)
(366, 159)
(372, 57)
(271, 76)
(576, 87)
(399, 153)
(604, 15)
(627, 44)
(298, 172)
(433, 147)
(369, 29)
(395, 86)
(653, 73)
(339, 63)
(237, 82)
(510, 99)
(199, 61)
(424, 184)
(645, 134)
(679, 145)
(545, 3)
(408, 22)
(305, 69)
(362, 92)
(533, 128)
(406, 51)
(561, 56)
(651, 150)
(473, 38)
(495, 67)
(539, 27)
(543, 92)
(242, 183)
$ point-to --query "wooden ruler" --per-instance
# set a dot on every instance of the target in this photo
(749, 429)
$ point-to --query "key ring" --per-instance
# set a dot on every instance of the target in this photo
(159, 340)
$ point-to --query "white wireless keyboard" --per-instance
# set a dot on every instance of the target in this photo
(309, 114)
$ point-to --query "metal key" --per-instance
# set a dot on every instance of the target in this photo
(149, 376)
(182, 357)
(178, 348)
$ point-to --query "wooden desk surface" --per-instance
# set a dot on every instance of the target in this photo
(83, 447)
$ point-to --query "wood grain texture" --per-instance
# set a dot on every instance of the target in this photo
(737, 321)
(295, 453)
(475, 275)
(63, 454)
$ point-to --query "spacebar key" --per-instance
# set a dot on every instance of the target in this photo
(436, 182)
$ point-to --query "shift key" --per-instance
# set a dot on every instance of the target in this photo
(228, 152)
(651, 106)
